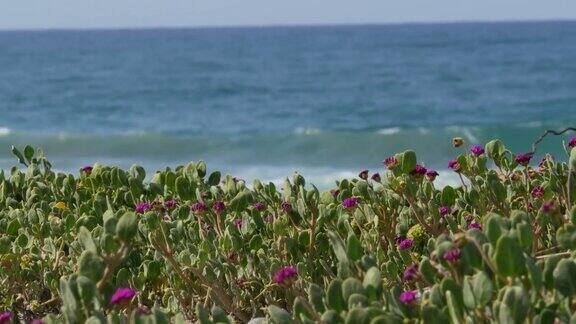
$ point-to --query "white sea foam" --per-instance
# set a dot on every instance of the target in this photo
(423, 130)
(389, 131)
(470, 136)
(463, 131)
(306, 131)
(448, 177)
(533, 124)
(5, 131)
(322, 177)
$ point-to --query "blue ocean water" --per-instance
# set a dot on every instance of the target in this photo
(264, 102)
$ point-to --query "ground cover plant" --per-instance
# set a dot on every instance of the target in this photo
(110, 246)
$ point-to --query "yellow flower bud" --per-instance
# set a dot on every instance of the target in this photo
(61, 205)
(415, 232)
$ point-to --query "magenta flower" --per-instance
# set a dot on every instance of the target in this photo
(475, 225)
(269, 218)
(537, 191)
(529, 206)
(87, 169)
(523, 158)
(548, 206)
(363, 175)
(198, 207)
(170, 204)
(376, 177)
(122, 295)
(285, 276)
(454, 165)
(405, 244)
(218, 206)
(5, 317)
(452, 255)
(444, 210)
(477, 150)
(542, 162)
(335, 192)
(143, 207)
(350, 202)
(259, 206)
(286, 207)
(419, 170)
(431, 174)
(390, 162)
(408, 297)
(410, 273)
(572, 142)
(238, 222)
(399, 239)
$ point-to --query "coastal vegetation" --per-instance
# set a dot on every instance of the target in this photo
(109, 245)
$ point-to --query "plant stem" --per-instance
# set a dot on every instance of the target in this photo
(111, 263)
(567, 253)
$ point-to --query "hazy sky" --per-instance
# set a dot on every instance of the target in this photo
(18, 14)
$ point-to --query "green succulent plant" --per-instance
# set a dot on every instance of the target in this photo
(108, 245)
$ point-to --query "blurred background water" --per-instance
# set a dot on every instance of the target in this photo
(265, 102)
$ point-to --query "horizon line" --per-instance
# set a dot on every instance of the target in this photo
(289, 25)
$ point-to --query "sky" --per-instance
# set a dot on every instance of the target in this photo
(48, 14)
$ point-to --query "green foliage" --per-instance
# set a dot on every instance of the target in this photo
(200, 246)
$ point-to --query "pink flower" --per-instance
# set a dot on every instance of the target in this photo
(376, 177)
(286, 207)
(285, 276)
(454, 165)
(572, 142)
(405, 244)
(475, 225)
(143, 207)
(523, 158)
(6, 317)
(170, 204)
(477, 150)
(350, 202)
(537, 191)
(431, 174)
(122, 295)
(542, 162)
(410, 272)
(408, 297)
(219, 206)
(259, 206)
(390, 162)
(198, 207)
(238, 222)
(87, 169)
(444, 210)
(548, 206)
(363, 175)
(452, 255)
(419, 170)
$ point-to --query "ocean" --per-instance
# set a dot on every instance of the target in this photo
(263, 102)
